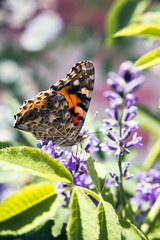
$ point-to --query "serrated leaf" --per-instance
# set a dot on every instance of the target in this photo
(60, 218)
(83, 222)
(27, 209)
(108, 221)
(131, 232)
(150, 59)
(152, 156)
(74, 227)
(145, 30)
(33, 161)
(118, 16)
(97, 172)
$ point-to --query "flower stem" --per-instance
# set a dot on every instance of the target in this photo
(122, 194)
(98, 198)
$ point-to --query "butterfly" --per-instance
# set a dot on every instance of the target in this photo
(58, 114)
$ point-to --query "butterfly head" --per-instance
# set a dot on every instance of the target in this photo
(26, 117)
(38, 112)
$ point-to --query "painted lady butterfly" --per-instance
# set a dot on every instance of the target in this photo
(58, 114)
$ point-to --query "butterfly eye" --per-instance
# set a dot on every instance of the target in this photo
(49, 104)
(31, 116)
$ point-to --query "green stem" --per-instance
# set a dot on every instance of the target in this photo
(98, 198)
(122, 194)
(64, 189)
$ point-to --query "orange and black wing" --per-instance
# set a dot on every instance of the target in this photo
(77, 88)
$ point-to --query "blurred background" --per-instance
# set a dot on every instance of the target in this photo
(40, 41)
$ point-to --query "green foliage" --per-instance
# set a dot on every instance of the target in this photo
(33, 161)
(152, 156)
(148, 121)
(118, 17)
(98, 173)
(131, 232)
(108, 221)
(83, 222)
(139, 29)
(149, 59)
(60, 218)
(28, 209)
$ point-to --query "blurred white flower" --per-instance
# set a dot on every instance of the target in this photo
(41, 30)
(6, 134)
(9, 71)
(6, 115)
(26, 84)
(20, 11)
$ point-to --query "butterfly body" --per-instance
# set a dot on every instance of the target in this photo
(58, 114)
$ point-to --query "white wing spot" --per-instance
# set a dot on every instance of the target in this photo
(76, 82)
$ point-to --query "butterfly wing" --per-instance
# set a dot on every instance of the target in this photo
(59, 112)
(77, 88)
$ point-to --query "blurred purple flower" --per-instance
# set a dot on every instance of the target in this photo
(148, 189)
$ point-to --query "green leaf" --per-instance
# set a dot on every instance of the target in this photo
(83, 222)
(154, 233)
(27, 209)
(74, 226)
(107, 195)
(152, 216)
(149, 59)
(60, 218)
(152, 17)
(148, 121)
(109, 226)
(142, 29)
(152, 156)
(97, 172)
(33, 161)
(131, 232)
(118, 16)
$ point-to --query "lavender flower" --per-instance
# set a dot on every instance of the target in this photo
(120, 124)
(47, 146)
(92, 145)
(76, 166)
(74, 163)
(148, 189)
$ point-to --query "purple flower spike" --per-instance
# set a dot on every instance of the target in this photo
(116, 82)
(130, 100)
(91, 146)
(115, 178)
(55, 153)
(134, 84)
(136, 141)
(106, 147)
(114, 98)
(128, 72)
(125, 167)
